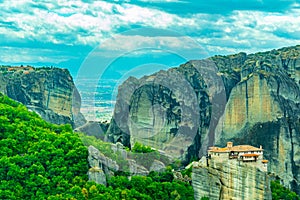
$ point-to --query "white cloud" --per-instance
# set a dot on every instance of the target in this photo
(21, 55)
(132, 42)
(98, 19)
(80, 23)
(139, 45)
(162, 1)
(250, 31)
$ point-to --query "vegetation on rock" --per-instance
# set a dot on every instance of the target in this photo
(140, 148)
(280, 192)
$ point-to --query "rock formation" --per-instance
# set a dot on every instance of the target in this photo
(264, 109)
(230, 180)
(253, 99)
(163, 110)
(93, 128)
(48, 91)
(97, 175)
(102, 165)
(136, 169)
(157, 166)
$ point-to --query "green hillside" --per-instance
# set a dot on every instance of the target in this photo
(40, 160)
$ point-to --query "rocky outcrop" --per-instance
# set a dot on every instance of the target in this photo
(97, 175)
(178, 176)
(253, 99)
(93, 128)
(157, 166)
(100, 166)
(177, 110)
(119, 148)
(166, 110)
(230, 180)
(136, 169)
(50, 92)
(264, 109)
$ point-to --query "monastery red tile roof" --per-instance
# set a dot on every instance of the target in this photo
(239, 148)
(250, 155)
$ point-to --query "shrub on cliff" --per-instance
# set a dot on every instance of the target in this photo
(280, 192)
(140, 148)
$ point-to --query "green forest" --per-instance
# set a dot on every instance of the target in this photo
(280, 192)
(40, 160)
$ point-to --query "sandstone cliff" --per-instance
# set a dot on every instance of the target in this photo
(230, 180)
(248, 99)
(166, 110)
(48, 91)
(264, 109)
(102, 166)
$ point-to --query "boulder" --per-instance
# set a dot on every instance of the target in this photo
(100, 165)
(119, 148)
(97, 175)
(93, 128)
(136, 169)
(157, 166)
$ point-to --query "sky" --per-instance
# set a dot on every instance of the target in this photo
(114, 38)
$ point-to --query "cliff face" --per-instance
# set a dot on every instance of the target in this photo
(48, 91)
(264, 109)
(248, 99)
(163, 110)
(230, 180)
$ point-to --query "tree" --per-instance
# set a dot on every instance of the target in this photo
(280, 192)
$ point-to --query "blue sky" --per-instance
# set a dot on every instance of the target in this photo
(113, 37)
